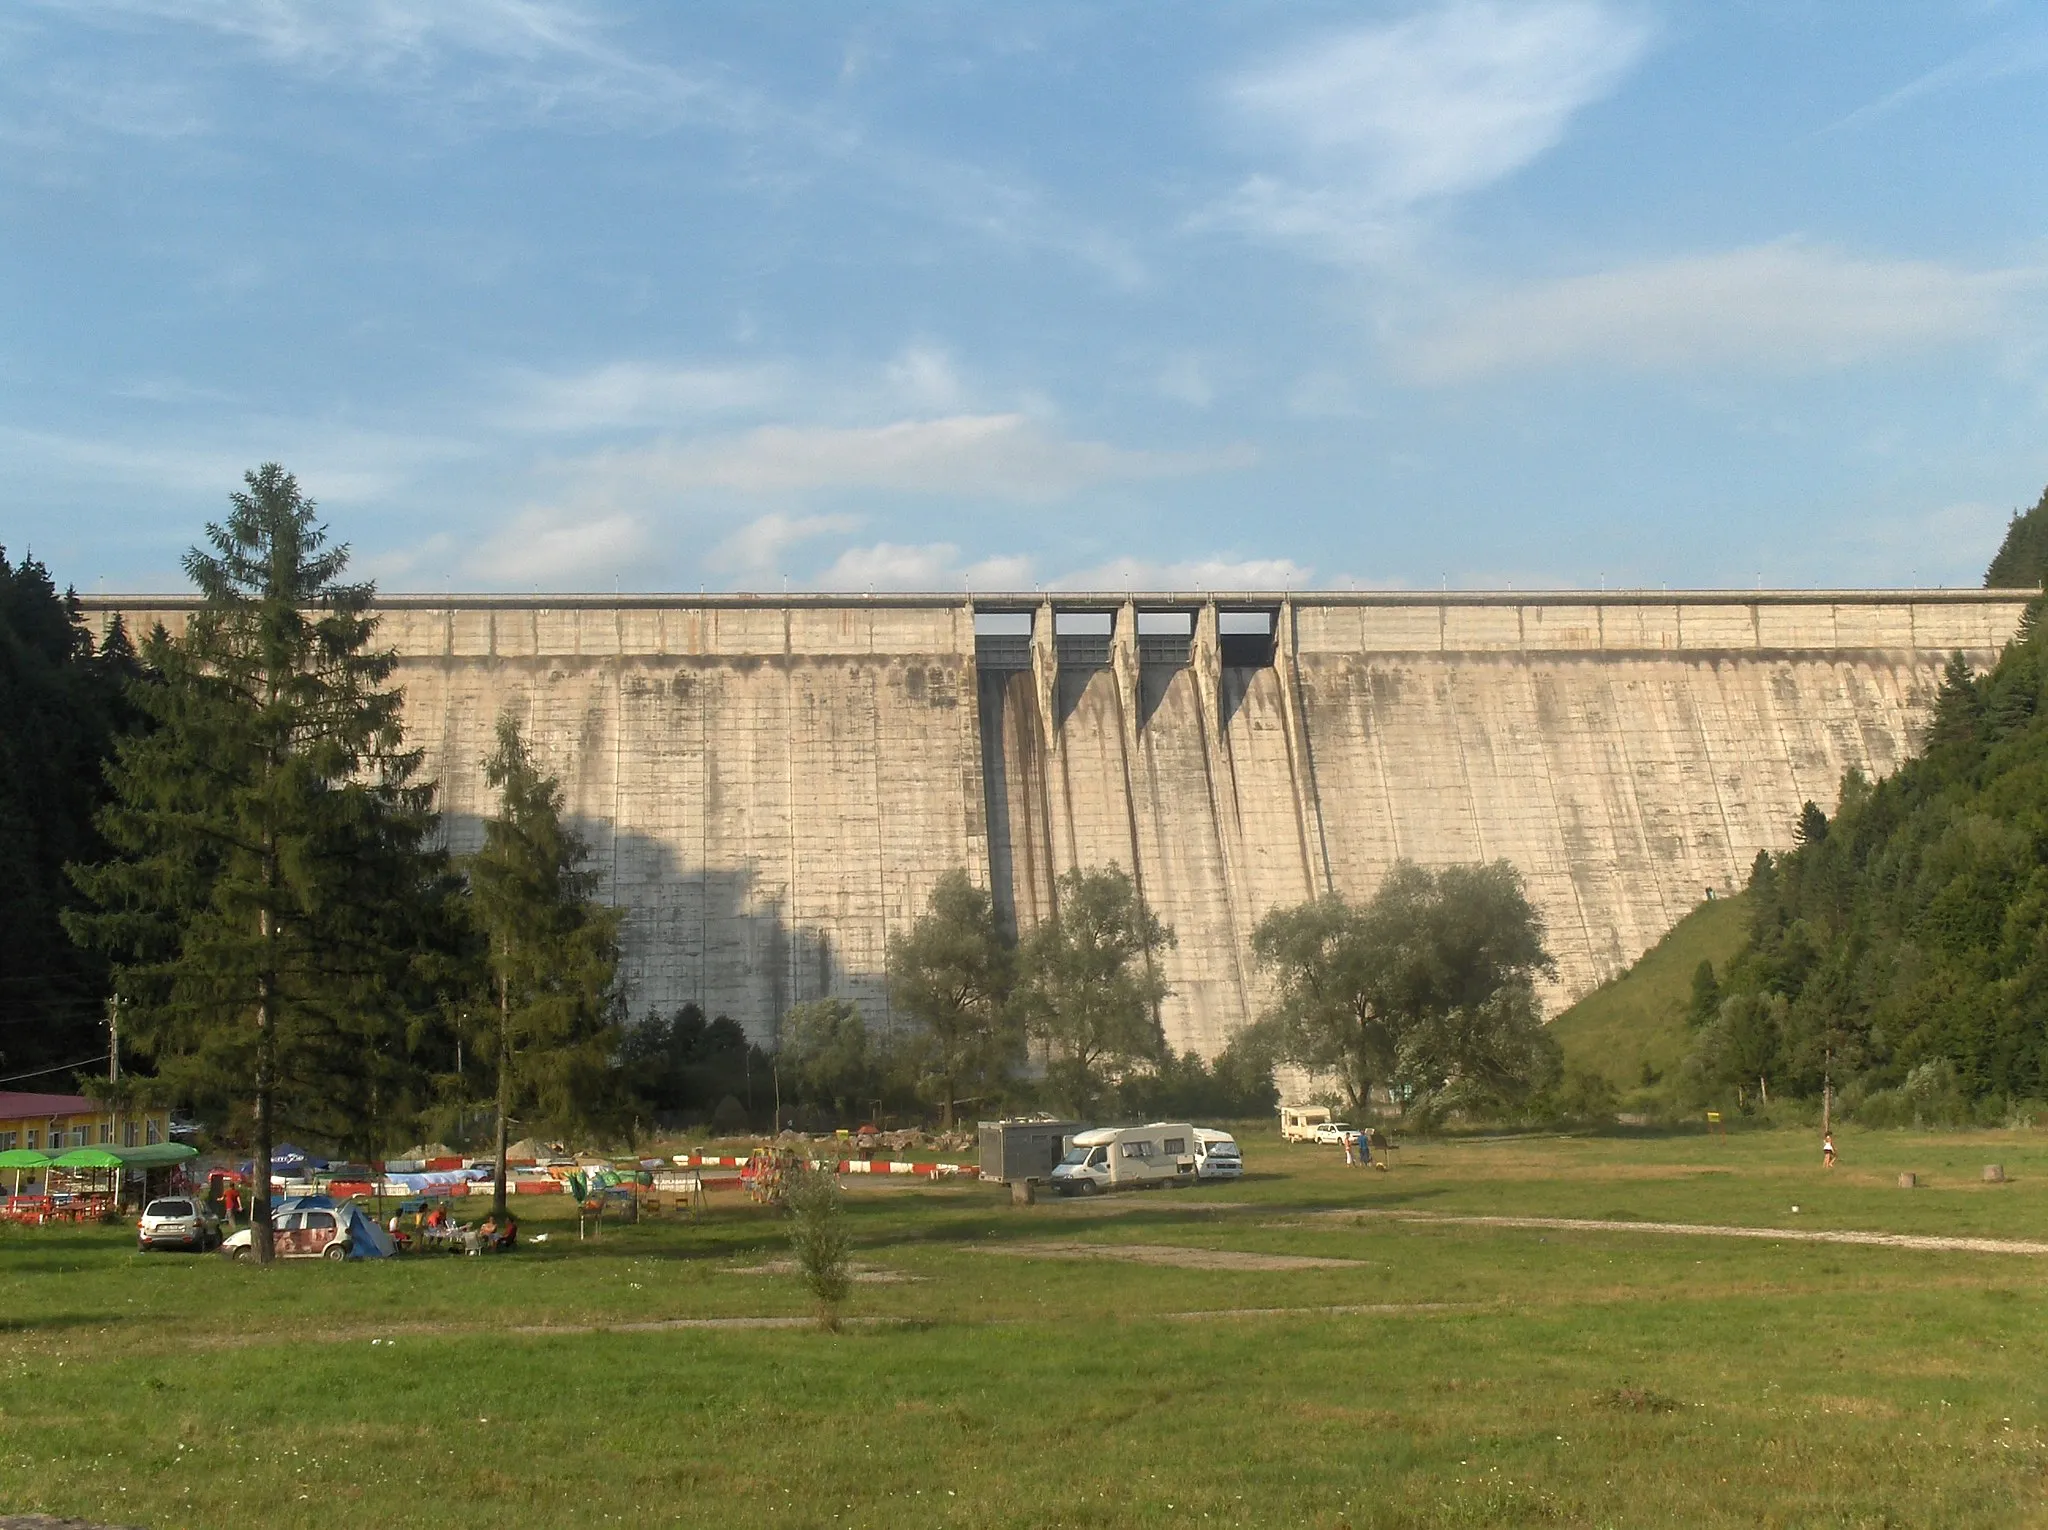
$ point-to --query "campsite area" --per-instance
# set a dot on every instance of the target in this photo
(1312, 1345)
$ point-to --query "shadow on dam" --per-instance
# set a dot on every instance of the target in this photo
(717, 937)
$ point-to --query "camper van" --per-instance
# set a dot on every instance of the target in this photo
(1298, 1123)
(1126, 1158)
(1217, 1155)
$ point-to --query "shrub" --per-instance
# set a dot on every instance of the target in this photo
(817, 1235)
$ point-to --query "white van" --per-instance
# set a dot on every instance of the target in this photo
(1217, 1155)
(1127, 1157)
(1298, 1123)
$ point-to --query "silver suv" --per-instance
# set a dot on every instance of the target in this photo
(177, 1222)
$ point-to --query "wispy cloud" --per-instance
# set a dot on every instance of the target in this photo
(1000, 456)
(558, 549)
(635, 395)
(761, 545)
(1786, 306)
(2002, 59)
(1382, 121)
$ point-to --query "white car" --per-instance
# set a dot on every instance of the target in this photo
(312, 1234)
(177, 1221)
(1332, 1133)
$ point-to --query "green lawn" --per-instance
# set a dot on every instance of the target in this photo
(1637, 1021)
(1440, 1374)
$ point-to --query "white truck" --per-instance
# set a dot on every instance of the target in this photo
(1298, 1123)
(1126, 1158)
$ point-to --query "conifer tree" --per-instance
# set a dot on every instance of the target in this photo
(272, 847)
(553, 956)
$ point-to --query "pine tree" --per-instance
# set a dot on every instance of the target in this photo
(62, 704)
(553, 956)
(2021, 562)
(272, 848)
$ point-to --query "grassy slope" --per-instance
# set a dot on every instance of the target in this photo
(1807, 1384)
(1639, 1017)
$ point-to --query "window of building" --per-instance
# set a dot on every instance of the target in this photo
(155, 1133)
(130, 1133)
(35, 1138)
(106, 1134)
(9, 1141)
(78, 1136)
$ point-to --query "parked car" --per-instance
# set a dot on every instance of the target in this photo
(1333, 1133)
(313, 1234)
(1298, 1123)
(1217, 1155)
(177, 1222)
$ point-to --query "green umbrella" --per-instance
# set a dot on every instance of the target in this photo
(87, 1158)
(20, 1159)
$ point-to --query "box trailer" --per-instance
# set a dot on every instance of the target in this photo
(1298, 1123)
(1023, 1150)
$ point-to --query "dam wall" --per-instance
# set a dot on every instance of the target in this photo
(771, 787)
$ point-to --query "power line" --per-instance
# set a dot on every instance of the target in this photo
(60, 1068)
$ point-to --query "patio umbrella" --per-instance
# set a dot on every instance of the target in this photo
(21, 1160)
(97, 1159)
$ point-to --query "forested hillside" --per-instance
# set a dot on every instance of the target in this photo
(1902, 949)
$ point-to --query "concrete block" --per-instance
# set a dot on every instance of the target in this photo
(1994, 1174)
(1909, 1181)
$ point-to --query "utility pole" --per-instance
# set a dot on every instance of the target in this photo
(114, 1039)
(1827, 1092)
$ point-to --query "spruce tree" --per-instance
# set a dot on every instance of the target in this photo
(548, 1019)
(273, 851)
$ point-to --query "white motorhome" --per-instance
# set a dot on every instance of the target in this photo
(1298, 1123)
(1217, 1155)
(1127, 1157)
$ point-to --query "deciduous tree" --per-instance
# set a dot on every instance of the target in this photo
(954, 973)
(1091, 986)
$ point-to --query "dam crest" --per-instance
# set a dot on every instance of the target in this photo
(771, 785)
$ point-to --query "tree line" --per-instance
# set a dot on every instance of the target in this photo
(233, 832)
(1898, 955)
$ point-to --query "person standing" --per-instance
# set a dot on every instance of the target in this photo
(1827, 1150)
(231, 1201)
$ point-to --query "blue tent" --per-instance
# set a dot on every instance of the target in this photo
(366, 1240)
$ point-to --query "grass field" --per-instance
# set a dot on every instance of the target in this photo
(1637, 1021)
(1252, 1354)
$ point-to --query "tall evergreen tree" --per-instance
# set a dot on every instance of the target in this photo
(553, 956)
(62, 705)
(272, 846)
(953, 972)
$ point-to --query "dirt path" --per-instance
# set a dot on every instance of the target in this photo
(1920, 1241)
(1170, 1254)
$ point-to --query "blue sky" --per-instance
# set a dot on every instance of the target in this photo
(567, 296)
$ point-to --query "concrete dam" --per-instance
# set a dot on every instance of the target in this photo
(772, 785)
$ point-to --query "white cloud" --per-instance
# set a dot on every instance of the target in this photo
(759, 545)
(627, 394)
(556, 549)
(1005, 456)
(1384, 120)
(1785, 306)
(924, 378)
